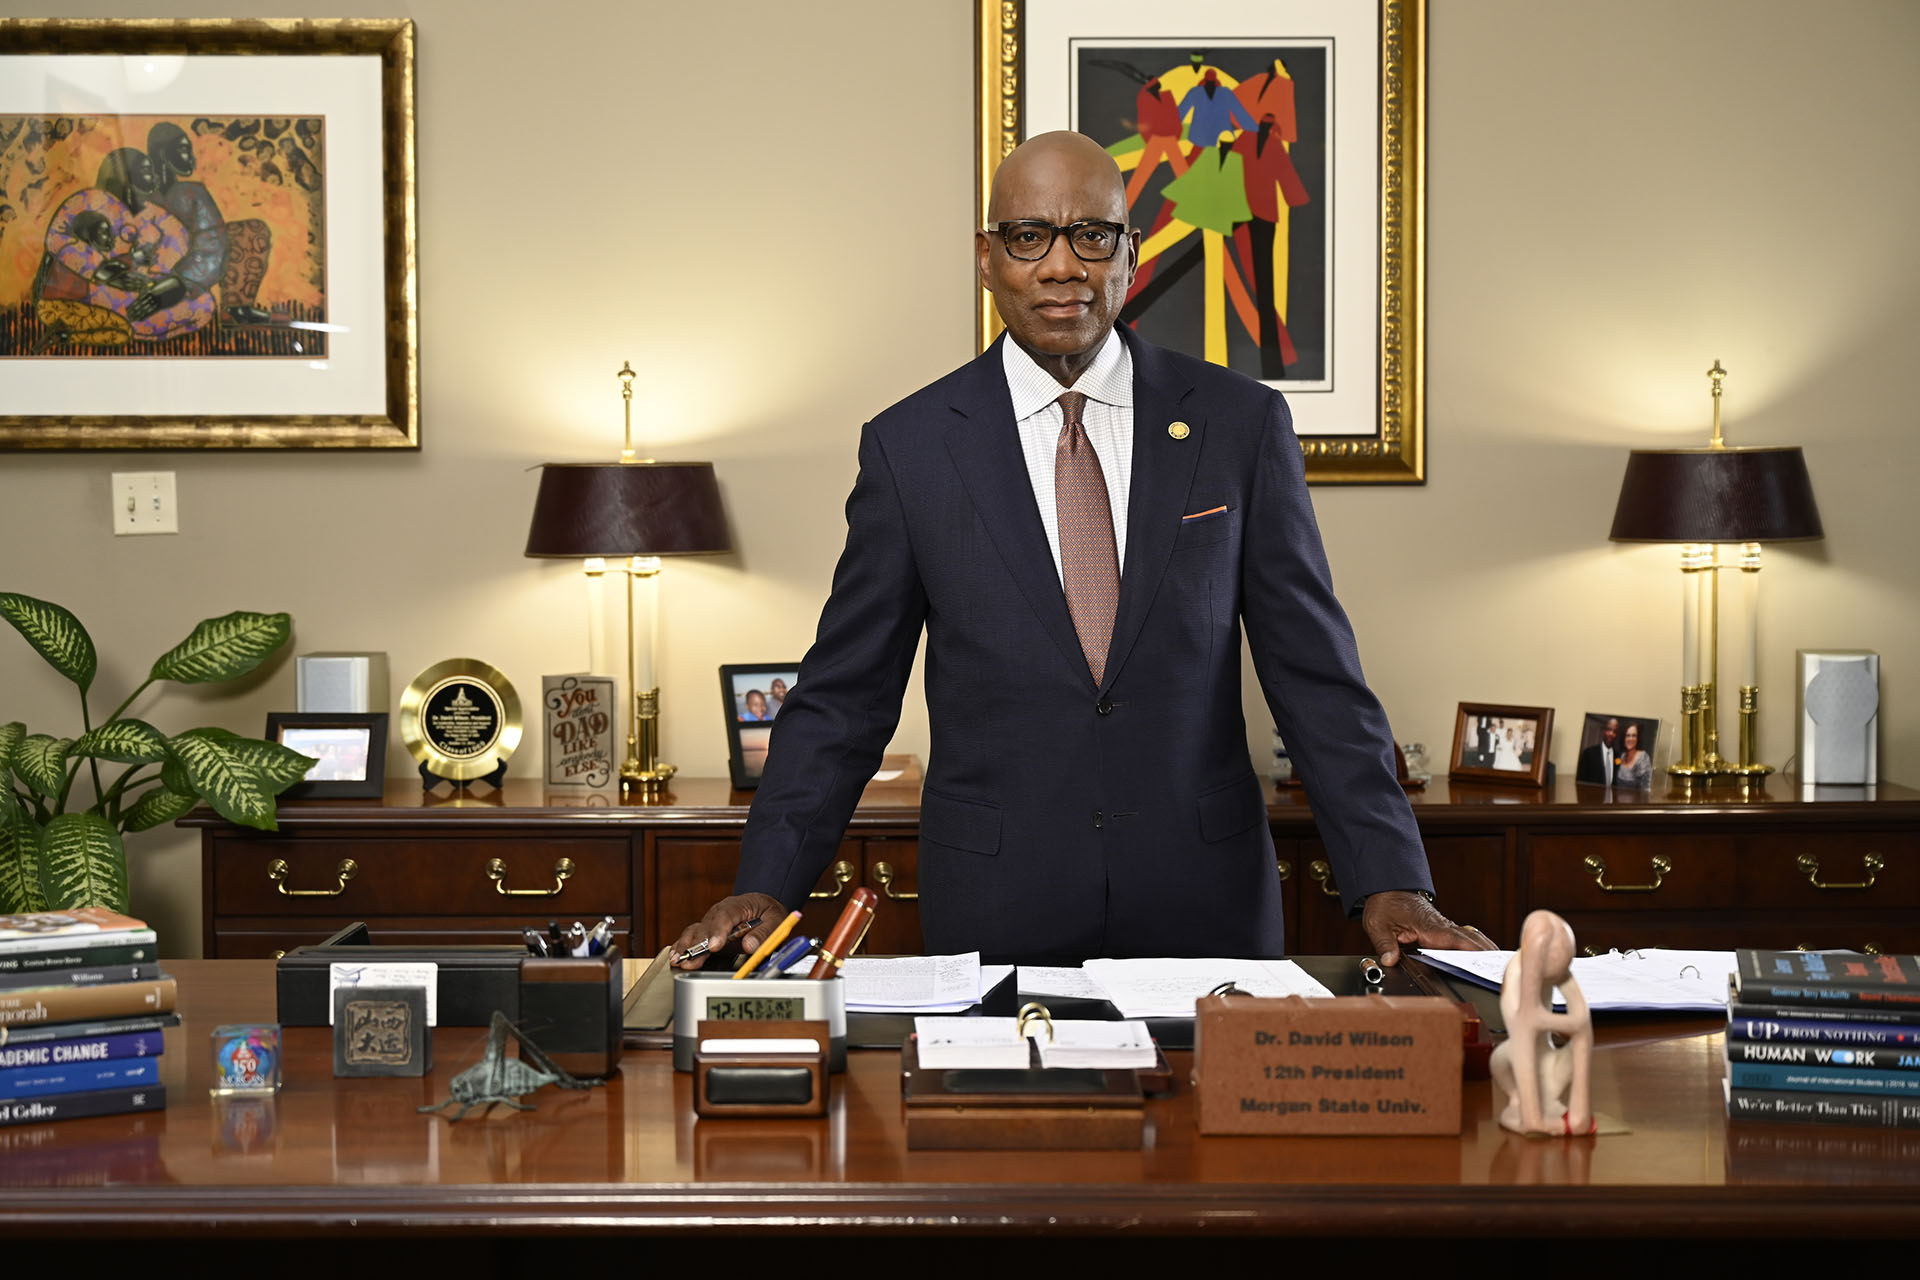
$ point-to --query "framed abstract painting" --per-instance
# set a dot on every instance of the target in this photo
(207, 234)
(1274, 162)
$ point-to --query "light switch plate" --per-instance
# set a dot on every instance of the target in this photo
(144, 502)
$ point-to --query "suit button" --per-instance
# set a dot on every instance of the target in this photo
(1096, 819)
(1104, 706)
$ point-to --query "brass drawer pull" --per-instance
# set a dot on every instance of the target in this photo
(1870, 949)
(278, 870)
(1873, 863)
(1661, 865)
(1285, 868)
(884, 873)
(1319, 871)
(842, 877)
(562, 872)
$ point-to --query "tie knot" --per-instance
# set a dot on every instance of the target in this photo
(1072, 405)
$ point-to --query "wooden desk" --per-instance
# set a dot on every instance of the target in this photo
(346, 1160)
(422, 865)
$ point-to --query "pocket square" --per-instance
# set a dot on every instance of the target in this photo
(1203, 515)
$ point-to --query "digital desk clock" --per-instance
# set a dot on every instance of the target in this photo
(715, 997)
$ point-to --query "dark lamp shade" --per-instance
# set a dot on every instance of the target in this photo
(1716, 495)
(615, 509)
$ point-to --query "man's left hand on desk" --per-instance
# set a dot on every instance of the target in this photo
(1399, 917)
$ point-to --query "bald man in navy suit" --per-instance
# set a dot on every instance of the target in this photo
(1089, 790)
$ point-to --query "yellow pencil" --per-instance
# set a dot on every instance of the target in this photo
(765, 949)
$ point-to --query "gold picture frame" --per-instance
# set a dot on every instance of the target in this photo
(366, 394)
(1361, 434)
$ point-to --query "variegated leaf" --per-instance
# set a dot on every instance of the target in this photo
(54, 633)
(10, 736)
(41, 762)
(217, 776)
(157, 807)
(124, 741)
(20, 887)
(276, 766)
(225, 647)
(83, 863)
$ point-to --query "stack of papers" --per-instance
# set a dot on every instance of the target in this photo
(995, 1043)
(1620, 981)
(919, 984)
(1167, 988)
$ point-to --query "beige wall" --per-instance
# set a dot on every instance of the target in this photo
(1620, 192)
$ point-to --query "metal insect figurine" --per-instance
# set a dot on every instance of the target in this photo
(498, 1078)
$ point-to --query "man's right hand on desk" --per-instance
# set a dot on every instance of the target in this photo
(723, 920)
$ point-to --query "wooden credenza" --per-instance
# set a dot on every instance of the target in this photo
(1719, 868)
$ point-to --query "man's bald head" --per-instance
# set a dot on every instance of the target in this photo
(1061, 153)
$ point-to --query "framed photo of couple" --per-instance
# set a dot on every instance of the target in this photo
(1496, 742)
(1275, 167)
(207, 234)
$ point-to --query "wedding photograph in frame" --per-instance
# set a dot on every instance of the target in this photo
(207, 234)
(1496, 742)
(751, 695)
(349, 751)
(1287, 244)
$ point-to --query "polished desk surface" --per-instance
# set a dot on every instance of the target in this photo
(632, 1158)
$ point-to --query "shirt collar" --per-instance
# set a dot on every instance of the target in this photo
(1109, 379)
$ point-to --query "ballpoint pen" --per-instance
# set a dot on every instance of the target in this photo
(765, 949)
(701, 947)
(847, 932)
(790, 954)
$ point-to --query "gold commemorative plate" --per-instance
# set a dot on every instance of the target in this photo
(460, 718)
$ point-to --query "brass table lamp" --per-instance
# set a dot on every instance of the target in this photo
(1700, 498)
(626, 515)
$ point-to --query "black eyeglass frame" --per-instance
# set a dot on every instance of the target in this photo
(1119, 230)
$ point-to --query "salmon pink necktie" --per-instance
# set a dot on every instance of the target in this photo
(1089, 562)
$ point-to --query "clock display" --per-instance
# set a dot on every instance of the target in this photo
(754, 1008)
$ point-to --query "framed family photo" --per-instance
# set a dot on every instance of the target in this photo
(1274, 159)
(751, 697)
(349, 751)
(1617, 750)
(207, 234)
(1494, 742)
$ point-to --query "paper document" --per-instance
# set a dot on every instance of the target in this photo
(1620, 981)
(1040, 980)
(995, 1043)
(1094, 1044)
(925, 984)
(422, 973)
(1168, 988)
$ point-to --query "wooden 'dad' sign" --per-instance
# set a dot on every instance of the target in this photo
(1356, 1064)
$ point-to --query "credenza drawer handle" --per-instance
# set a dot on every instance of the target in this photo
(1661, 865)
(1285, 868)
(884, 873)
(562, 872)
(278, 870)
(1872, 862)
(1321, 873)
(842, 877)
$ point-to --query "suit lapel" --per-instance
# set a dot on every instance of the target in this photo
(1162, 477)
(984, 444)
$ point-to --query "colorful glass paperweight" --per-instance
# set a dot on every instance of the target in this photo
(246, 1058)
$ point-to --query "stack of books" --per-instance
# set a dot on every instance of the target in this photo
(1824, 1038)
(82, 1007)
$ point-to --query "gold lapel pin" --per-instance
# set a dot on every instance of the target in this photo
(1178, 430)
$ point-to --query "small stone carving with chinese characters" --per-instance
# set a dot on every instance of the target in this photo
(1546, 1085)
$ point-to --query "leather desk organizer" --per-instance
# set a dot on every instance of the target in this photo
(1061, 1109)
(569, 1007)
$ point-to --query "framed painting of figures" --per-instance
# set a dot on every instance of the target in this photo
(207, 234)
(1274, 160)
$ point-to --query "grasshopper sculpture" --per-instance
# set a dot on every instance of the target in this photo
(498, 1078)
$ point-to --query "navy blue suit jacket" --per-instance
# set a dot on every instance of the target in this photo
(1060, 818)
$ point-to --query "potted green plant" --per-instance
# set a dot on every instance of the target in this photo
(55, 850)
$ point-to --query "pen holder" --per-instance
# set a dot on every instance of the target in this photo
(570, 1007)
(702, 997)
(765, 1068)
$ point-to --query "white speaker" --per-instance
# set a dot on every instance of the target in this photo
(1837, 715)
(355, 682)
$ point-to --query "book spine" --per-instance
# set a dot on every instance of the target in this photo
(1823, 1108)
(71, 1004)
(79, 1030)
(1823, 1055)
(83, 1077)
(29, 943)
(71, 957)
(1772, 1022)
(1752, 1075)
(81, 976)
(60, 1053)
(1903, 1000)
(72, 1106)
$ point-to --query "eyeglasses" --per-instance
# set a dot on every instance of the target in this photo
(1032, 241)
